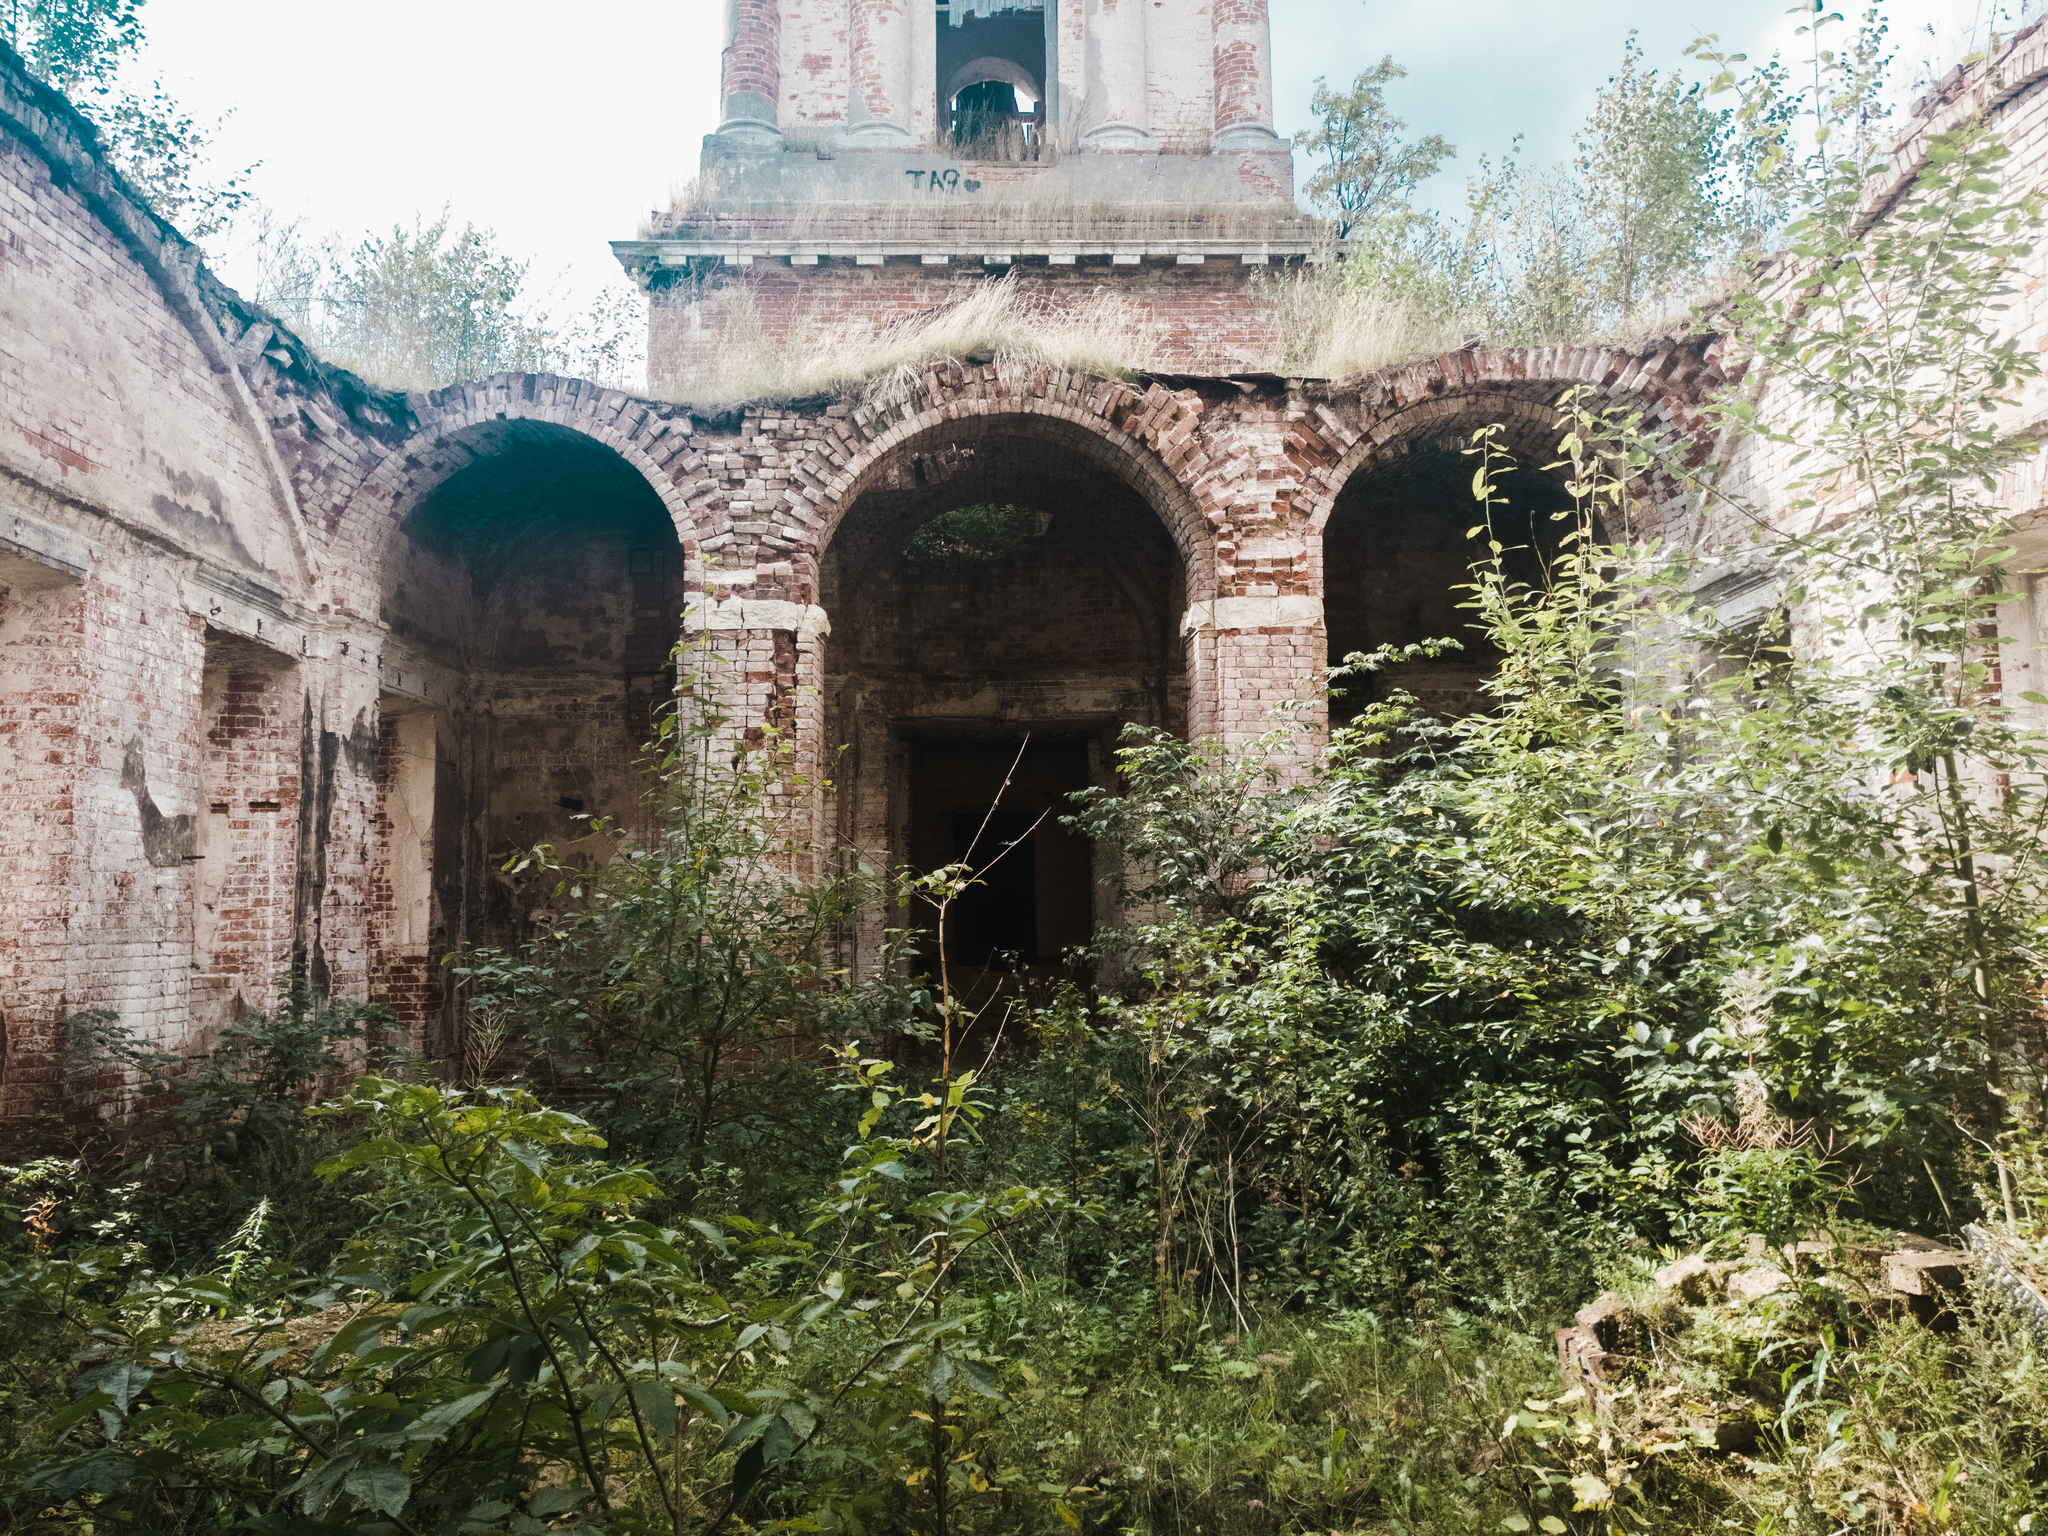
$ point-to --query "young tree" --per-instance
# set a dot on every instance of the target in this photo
(688, 970)
(1533, 228)
(1367, 172)
(1648, 161)
(78, 46)
(422, 306)
(81, 47)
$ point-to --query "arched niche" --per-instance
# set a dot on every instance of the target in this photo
(989, 67)
(533, 598)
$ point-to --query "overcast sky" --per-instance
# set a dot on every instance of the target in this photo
(560, 126)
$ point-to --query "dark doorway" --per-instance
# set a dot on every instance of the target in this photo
(1035, 902)
(995, 921)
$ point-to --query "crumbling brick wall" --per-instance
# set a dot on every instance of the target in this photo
(247, 819)
(187, 485)
(1217, 317)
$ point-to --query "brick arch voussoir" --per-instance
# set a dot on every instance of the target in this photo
(1136, 437)
(647, 434)
(1519, 386)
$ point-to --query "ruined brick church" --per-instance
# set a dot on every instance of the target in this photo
(289, 664)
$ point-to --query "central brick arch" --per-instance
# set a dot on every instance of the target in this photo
(1146, 439)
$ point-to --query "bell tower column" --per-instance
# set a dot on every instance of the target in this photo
(1115, 115)
(751, 77)
(1244, 76)
(881, 105)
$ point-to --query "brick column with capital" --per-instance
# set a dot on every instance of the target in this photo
(1249, 656)
(762, 668)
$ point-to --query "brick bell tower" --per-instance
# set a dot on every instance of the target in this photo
(879, 158)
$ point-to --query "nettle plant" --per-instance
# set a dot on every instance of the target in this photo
(552, 1367)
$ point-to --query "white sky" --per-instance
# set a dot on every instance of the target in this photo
(560, 126)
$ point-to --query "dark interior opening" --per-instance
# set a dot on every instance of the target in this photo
(1016, 37)
(1398, 554)
(1035, 902)
(984, 65)
(995, 921)
(540, 586)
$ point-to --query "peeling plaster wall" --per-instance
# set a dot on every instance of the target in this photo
(144, 514)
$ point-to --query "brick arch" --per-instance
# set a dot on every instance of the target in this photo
(1519, 386)
(468, 423)
(1531, 437)
(1140, 439)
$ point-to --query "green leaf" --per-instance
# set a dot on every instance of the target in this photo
(556, 1501)
(319, 1487)
(121, 1381)
(747, 1472)
(349, 1339)
(384, 1489)
(657, 1405)
(706, 1404)
(79, 1408)
(778, 1441)
(981, 1378)
(940, 1376)
(437, 1422)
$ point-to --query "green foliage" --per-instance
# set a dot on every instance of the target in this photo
(1367, 173)
(423, 307)
(689, 972)
(1505, 944)
(81, 47)
(973, 535)
(76, 45)
(1404, 1041)
(1664, 196)
(430, 304)
(187, 1146)
(1648, 163)
(559, 1332)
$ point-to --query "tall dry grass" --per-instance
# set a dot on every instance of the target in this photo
(1329, 326)
(1101, 334)
(1324, 327)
